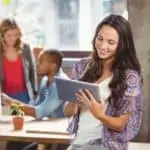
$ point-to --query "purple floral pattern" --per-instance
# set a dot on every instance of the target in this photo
(131, 102)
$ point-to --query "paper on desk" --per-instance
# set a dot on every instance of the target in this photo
(58, 126)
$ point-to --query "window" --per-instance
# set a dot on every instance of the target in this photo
(64, 24)
(68, 16)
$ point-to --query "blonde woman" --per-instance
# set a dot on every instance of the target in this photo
(18, 76)
(17, 70)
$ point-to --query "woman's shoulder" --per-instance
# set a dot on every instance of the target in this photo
(25, 46)
(132, 71)
(133, 80)
(85, 59)
(26, 51)
(83, 62)
(132, 74)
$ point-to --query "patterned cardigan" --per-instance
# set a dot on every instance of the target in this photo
(132, 101)
(29, 71)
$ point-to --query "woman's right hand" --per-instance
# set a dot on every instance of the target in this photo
(70, 109)
(6, 100)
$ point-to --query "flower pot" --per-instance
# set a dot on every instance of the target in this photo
(18, 122)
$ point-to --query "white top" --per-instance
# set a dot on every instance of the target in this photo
(89, 127)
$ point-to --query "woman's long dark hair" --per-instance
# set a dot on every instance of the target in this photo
(126, 57)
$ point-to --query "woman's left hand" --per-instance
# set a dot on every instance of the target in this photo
(95, 106)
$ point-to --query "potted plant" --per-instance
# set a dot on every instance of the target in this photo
(18, 119)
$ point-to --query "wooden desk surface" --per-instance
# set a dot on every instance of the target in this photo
(53, 131)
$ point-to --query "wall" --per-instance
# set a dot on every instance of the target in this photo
(139, 11)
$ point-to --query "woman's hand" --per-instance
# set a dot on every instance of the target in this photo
(6, 100)
(86, 97)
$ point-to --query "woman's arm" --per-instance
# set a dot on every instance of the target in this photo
(70, 109)
(115, 123)
(6, 100)
(27, 109)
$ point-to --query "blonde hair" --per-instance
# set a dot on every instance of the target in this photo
(5, 25)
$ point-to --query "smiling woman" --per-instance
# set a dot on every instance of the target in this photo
(16, 56)
(110, 124)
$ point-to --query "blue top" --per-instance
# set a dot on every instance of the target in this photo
(21, 96)
(47, 103)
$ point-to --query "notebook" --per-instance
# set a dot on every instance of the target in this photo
(53, 126)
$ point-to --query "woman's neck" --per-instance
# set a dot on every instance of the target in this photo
(105, 74)
(9, 49)
(107, 65)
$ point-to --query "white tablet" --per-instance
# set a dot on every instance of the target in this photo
(67, 88)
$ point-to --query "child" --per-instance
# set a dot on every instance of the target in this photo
(47, 103)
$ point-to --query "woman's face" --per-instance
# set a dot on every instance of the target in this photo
(107, 42)
(11, 36)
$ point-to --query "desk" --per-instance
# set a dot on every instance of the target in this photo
(7, 133)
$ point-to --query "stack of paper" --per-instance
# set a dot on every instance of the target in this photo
(56, 126)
